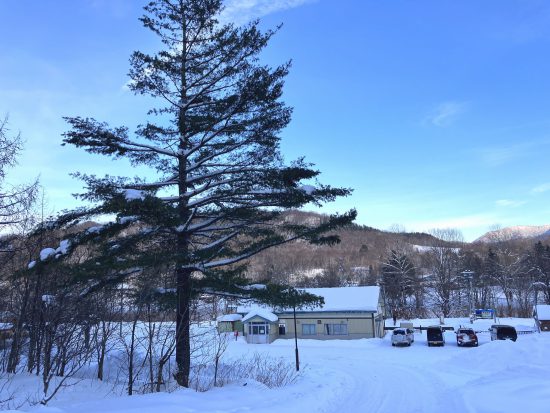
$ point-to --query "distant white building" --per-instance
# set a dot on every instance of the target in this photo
(348, 313)
(541, 314)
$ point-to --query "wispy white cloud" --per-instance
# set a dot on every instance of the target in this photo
(497, 156)
(509, 203)
(445, 113)
(541, 188)
(242, 11)
(500, 156)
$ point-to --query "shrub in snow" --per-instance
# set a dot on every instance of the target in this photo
(270, 371)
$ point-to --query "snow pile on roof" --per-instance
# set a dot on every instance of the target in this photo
(348, 298)
(336, 299)
(543, 311)
(261, 312)
(230, 317)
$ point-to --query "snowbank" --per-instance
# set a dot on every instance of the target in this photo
(354, 375)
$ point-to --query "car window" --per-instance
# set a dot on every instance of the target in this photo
(506, 331)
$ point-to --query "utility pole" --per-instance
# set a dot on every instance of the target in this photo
(296, 338)
(468, 274)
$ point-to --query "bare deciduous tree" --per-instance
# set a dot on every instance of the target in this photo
(15, 200)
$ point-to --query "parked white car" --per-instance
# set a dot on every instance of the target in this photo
(402, 337)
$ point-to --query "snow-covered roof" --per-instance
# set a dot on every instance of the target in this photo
(230, 317)
(336, 300)
(543, 311)
(261, 312)
(348, 298)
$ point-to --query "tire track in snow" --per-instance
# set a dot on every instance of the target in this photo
(373, 386)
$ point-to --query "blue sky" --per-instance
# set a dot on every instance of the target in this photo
(437, 112)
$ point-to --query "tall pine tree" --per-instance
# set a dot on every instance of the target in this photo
(212, 143)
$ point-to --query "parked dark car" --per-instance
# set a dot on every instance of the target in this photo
(435, 336)
(466, 337)
(503, 332)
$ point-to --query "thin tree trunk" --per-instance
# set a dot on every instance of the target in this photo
(162, 363)
(216, 371)
(151, 338)
(102, 349)
(131, 358)
(15, 349)
(183, 347)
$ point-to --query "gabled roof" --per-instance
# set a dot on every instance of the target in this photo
(261, 312)
(341, 299)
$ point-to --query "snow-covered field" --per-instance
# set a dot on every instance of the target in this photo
(360, 376)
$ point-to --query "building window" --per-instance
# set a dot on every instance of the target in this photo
(336, 329)
(308, 329)
(258, 328)
(282, 329)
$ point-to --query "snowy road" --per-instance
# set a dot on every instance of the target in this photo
(373, 376)
(408, 389)
(388, 379)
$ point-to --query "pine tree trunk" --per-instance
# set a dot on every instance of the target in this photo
(183, 275)
(131, 357)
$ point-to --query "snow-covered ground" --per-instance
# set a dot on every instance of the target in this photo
(361, 375)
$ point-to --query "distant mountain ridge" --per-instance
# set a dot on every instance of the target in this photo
(515, 232)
